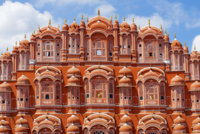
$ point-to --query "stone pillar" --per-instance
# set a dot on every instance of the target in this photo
(82, 48)
(116, 44)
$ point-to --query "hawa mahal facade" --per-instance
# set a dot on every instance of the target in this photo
(100, 77)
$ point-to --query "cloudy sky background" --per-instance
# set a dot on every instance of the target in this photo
(19, 17)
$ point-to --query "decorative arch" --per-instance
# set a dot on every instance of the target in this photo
(100, 121)
(156, 122)
(48, 83)
(151, 86)
(47, 122)
(99, 84)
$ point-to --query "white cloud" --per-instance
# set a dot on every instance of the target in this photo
(196, 42)
(156, 20)
(16, 20)
(106, 9)
(42, 3)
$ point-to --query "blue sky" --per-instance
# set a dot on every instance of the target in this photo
(23, 16)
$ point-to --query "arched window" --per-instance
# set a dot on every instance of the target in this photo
(48, 49)
(47, 92)
(151, 92)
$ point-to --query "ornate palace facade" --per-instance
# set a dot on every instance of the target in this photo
(100, 77)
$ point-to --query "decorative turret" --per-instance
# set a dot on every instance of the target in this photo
(133, 26)
(74, 27)
(23, 87)
(177, 85)
(124, 26)
(82, 24)
(116, 23)
(65, 26)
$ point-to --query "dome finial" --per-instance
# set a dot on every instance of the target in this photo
(39, 27)
(175, 36)
(49, 22)
(124, 19)
(34, 32)
(25, 36)
(58, 26)
(139, 27)
(82, 17)
(149, 22)
(16, 43)
(115, 16)
(7, 49)
(133, 20)
(161, 27)
(98, 12)
(111, 19)
(165, 32)
(87, 19)
(185, 44)
(194, 47)
(74, 19)
(65, 21)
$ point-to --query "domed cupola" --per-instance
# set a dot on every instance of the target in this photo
(73, 71)
(124, 26)
(21, 125)
(179, 127)
(73, 119)
(4, 126)
(65, 27)
(133, 26)
(125, 119)
(73, 129)
(82, 23)
(176, 45)
(5, 87)
(74, 27)
(195, 86)
(15, 48)
(125, 128)
(23, 81)
(179, 120)
(125, 82)
(73, 81)
(194, 55)
(24, 43)
(125, 71)
(177, 80)
(6, 55)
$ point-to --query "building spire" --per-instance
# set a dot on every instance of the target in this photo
(149, 22)
(185, 44)
(16, 43)
(65, 21)
(58, 26)
(49, 22)
(74, 19)
(161, 27)
(174, 36)
(7, 49)
(115, 16)
(39, 27)
(25, 36)
(165, 32)
(111, 19)
(124, 19)
(98, 12)
(87, 19)
(82, 17)
(133, 20)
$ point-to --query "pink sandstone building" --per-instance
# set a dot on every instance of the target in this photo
(100, 77)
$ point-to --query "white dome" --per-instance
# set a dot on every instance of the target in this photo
(196, 42)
